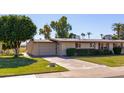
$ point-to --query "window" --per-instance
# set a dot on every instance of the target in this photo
(92, 44)
(78, 45)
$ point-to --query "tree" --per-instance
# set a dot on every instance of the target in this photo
(114, 37)
(101, 36)
(108, 37)
(72, 35)
(77, 36)
(89, 33)
(46, 30)
(119, 28)
(62, 27)
(15, 29)
(83, 35)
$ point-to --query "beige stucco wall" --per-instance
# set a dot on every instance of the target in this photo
(41, 49)
(63, 46)
(96, 45)
(86, 46)
(111, 46)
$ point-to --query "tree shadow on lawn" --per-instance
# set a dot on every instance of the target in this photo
(12, 62)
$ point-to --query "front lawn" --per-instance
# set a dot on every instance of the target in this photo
(19, 66)
(112, 61)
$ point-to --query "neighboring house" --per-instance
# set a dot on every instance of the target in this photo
(58, 46)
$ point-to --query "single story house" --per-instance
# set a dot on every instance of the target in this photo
(58, 46)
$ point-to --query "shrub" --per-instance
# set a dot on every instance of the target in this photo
(71, 51)
(103, 52)
(85, 52)
(117, 50)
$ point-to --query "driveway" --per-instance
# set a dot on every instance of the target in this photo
(78, 68)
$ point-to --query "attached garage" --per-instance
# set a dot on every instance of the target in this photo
(41, 48)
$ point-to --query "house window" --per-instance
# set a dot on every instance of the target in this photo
(92, 45)
(78, 45)
(115, 45)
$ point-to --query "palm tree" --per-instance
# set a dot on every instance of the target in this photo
(101, 36)
(83, 35)
(119, 28)
(89, 33)
(46, 30)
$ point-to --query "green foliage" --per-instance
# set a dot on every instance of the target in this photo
(87, 52)
(119, 28)
(62, 27)
(46, 30)
(71, 51)
(103, 52)
(72, 35)
(114, 37)
(16, 28)
(117, 50)
(83, 35)
(89, 33)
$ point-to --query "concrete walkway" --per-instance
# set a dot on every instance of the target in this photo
(82, 69)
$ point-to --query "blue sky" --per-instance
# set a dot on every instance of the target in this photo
(95, 23)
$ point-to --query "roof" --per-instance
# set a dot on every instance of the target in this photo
(84, 40)
(76, 40)
(42, 41)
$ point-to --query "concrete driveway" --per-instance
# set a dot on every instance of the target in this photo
(81, 69)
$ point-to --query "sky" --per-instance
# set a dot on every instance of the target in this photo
(95, 23)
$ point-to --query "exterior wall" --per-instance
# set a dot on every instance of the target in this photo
(63, 46)
(41, 48)
(86, 45)
(96, 45)
(29, 47)
(111, 46)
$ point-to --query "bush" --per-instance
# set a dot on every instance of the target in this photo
(107, 52)
(71, 52)
(87, 52)
(117, 50)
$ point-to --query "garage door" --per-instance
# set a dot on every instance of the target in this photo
(47, 49)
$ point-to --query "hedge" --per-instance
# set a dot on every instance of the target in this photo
(87, 52)
(117, 50)
(71, 51)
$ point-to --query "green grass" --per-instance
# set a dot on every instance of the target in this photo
(10, 66)
(112, 61)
